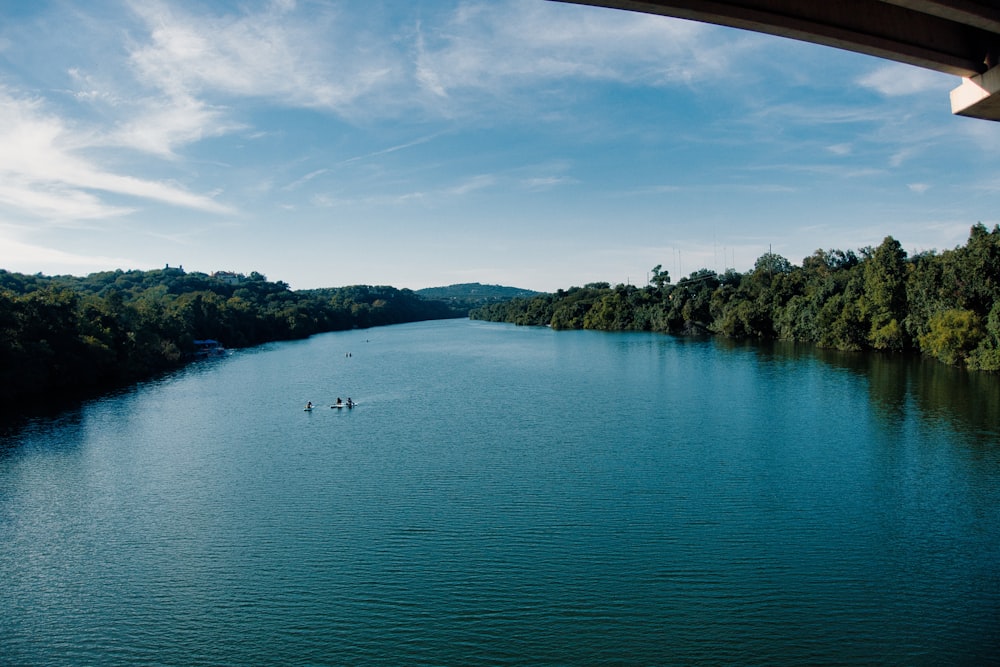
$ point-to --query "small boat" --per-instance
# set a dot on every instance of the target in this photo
(348, 405)
(204, 349)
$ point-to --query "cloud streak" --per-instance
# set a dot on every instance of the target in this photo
(45, 173)
(16, 255)
(896, 80)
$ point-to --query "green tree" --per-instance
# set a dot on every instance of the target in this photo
(952, 334)
(660, 277)
(883, 303)
(770, 264)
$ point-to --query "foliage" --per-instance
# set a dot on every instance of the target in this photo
(883, 301)
(944, 305)
(952, 334)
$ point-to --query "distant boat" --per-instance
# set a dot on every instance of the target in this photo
(206, 348)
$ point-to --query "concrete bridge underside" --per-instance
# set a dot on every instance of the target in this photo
(960, 37)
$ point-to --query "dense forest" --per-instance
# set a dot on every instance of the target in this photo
(65, 333)
(945, 305)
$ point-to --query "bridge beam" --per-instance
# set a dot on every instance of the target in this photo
(959, 37)
(978, 96)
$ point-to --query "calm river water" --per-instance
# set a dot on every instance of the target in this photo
(508, 495)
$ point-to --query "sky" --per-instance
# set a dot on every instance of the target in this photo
(421, 143)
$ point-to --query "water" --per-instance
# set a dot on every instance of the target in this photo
(509, 495)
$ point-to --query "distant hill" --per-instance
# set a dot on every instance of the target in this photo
(474, 295)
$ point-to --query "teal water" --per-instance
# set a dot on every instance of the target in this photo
(508, 495)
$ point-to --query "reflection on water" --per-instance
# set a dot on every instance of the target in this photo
(930, 390)
(67, 420)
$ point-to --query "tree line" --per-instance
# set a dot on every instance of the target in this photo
(945, 305)
(473, 295)
(82, 334)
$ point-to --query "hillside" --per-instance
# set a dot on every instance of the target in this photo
(474, 295)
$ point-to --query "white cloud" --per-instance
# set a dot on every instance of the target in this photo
(305, 179)
(984, 136)
(818, 115)
(161, 125)
(297, 59)
(896, 80)
(919, 188)
(505, 45)
(900, 156)
(547, 182)
(44, 174)
(472, 184)
(23, 257)
(391, 149)
(54, 202)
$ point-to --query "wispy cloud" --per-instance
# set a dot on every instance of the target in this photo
(479, 182)
(899, 157)
(832, 170)
(326, 200)
(159, 126)
(656, 190)
(819, 115)
(896, 80)
(294, 58)
(46, 174)
(16, 255)
(754, 188)
(305, 179)
(391, 149)
(547, 182)
(54, 202)
(503, 46)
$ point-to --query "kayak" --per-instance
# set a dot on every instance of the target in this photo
(343, 405)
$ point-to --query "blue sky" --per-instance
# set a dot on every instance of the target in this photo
(422, 143)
